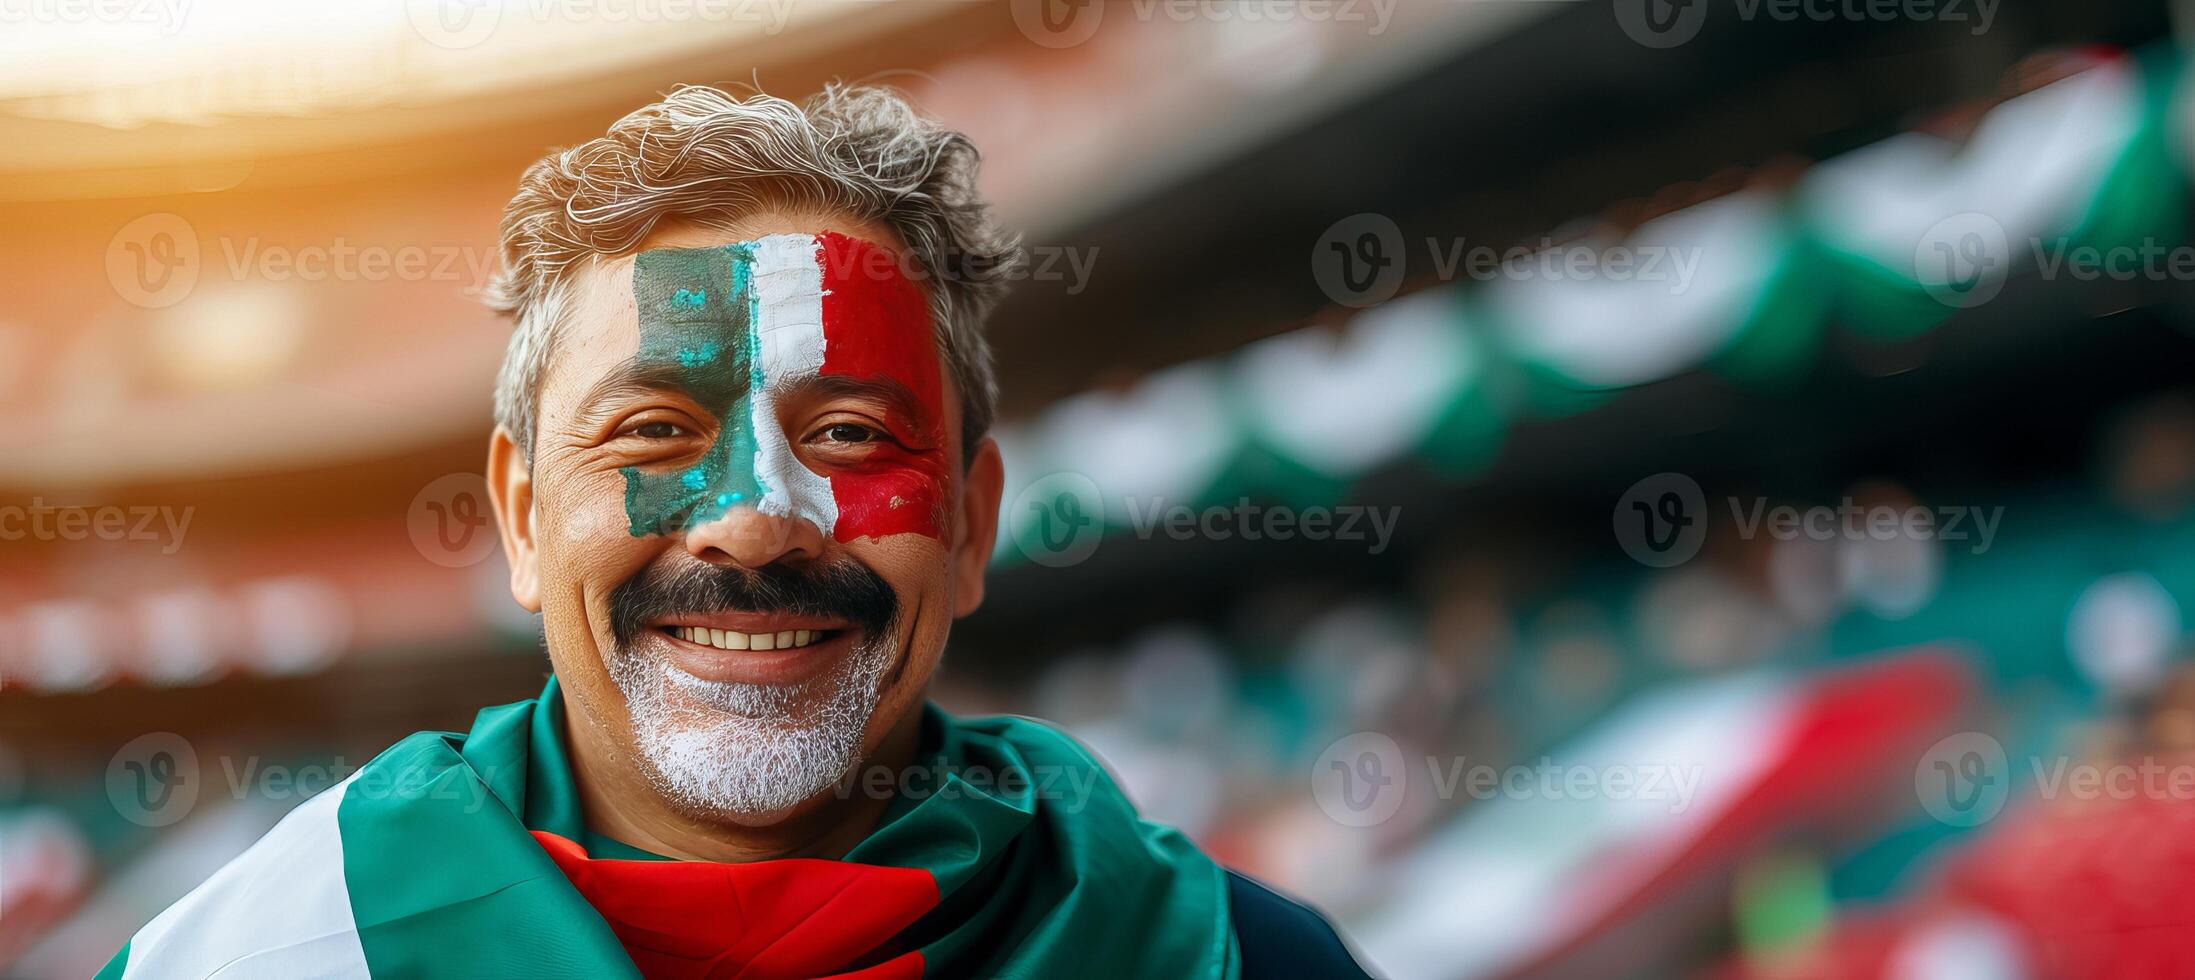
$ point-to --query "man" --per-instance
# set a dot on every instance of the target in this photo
(740, 469)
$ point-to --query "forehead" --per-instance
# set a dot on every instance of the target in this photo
(601, 328)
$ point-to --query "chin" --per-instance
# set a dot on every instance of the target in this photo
(750, 752)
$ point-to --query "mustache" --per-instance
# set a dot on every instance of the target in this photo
(840, 588)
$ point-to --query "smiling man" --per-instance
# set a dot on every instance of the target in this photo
(741, 471)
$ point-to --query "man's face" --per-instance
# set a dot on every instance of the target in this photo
(750, 527)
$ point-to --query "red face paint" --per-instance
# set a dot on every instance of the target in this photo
(876, 327)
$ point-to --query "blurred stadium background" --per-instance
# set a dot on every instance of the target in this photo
(241, 343)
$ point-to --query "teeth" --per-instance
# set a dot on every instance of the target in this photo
(734, 640)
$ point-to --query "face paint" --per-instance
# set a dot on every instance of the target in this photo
(738, 327)
(697, 313)
(878, 327)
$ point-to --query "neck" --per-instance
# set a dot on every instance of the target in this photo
(620, 804)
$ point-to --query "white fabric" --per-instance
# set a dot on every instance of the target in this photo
(280, 911)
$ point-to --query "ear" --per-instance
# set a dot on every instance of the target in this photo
(977, 527)
(511, 490)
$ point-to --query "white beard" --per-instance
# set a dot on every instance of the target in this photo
(749, 748)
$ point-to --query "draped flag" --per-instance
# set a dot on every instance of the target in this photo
(466, 856)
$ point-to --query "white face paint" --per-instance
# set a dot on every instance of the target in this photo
(749, 748)
(788, 285)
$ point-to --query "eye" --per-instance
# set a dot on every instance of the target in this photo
(657, 430)
(848, 432)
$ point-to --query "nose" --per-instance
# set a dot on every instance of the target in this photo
(749, 538)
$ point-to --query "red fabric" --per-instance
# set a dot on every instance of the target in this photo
(2086, 890)
(2100, 888)
(796, 917)
(876, 327)
(1851, 728)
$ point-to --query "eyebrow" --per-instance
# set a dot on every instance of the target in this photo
(628, 380)
(896, 396)
(634, 378)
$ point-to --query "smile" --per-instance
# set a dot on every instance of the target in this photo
(736, 640)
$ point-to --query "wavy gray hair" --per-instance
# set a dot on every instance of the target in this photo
(705, 156)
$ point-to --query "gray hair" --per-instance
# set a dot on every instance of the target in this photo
(704, 156)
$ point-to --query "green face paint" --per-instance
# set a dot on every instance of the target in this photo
(697, 311)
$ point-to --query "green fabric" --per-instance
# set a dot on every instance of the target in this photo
(444, 877)
(1044, 867)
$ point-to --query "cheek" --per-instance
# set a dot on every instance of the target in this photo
(916, 567)
(586, 550)
(903, 493)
